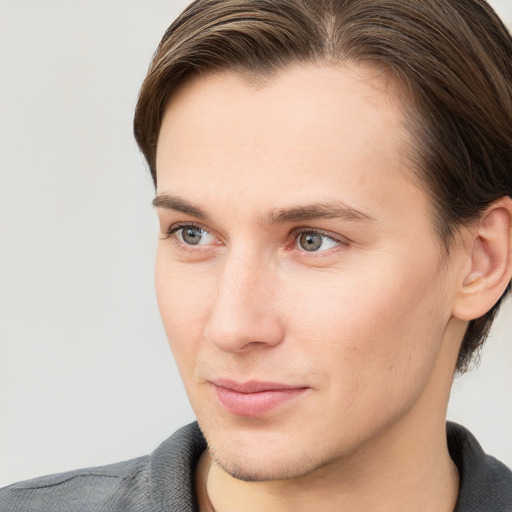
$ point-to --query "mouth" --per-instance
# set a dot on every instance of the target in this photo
(254, 398)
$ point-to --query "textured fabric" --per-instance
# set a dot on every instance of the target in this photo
(161, 482)
(485, 483)
(164, 481)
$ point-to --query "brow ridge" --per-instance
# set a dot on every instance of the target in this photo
(318, 211)
(168, 202)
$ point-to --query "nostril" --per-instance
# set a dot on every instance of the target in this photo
(242, 316)
(235, 331)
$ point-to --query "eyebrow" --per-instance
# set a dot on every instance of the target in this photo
(179, 205)
(316, 211)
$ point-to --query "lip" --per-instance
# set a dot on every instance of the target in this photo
(254, 398)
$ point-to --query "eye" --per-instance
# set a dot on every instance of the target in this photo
(313, 241)
(192, 235)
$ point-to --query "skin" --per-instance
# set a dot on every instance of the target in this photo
(365, 323)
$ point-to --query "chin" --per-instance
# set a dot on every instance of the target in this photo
(263, 471)
(262, 458)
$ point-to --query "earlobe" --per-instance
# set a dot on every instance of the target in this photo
(490, 252)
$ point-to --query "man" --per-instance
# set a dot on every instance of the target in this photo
(333, 188)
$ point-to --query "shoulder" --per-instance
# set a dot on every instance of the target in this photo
(148, 483)
(100, 488)
(485, 482)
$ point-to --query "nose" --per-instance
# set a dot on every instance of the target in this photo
(245, 314)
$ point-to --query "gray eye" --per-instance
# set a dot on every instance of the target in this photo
(192, 235)
(311, 241)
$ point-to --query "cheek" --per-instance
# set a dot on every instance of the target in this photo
(185, 301)
(373, 341)
(374, 324)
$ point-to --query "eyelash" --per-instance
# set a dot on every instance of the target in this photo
(169, 235)
(297, 233)
(293, 236)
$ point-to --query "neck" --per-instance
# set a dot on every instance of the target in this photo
(421, 478)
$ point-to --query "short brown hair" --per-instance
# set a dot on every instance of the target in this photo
(454, 57)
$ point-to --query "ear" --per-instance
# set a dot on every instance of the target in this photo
(489, 268)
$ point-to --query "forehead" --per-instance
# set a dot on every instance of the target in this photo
(308, 93)
(305, 131)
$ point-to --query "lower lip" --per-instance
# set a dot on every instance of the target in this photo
(255, 404)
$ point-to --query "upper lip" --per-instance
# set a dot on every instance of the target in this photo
(253, 386)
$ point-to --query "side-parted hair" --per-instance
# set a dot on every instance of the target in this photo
(452, 57)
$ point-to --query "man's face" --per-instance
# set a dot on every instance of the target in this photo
(302, 290)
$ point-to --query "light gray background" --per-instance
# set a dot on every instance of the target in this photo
(86, 376)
